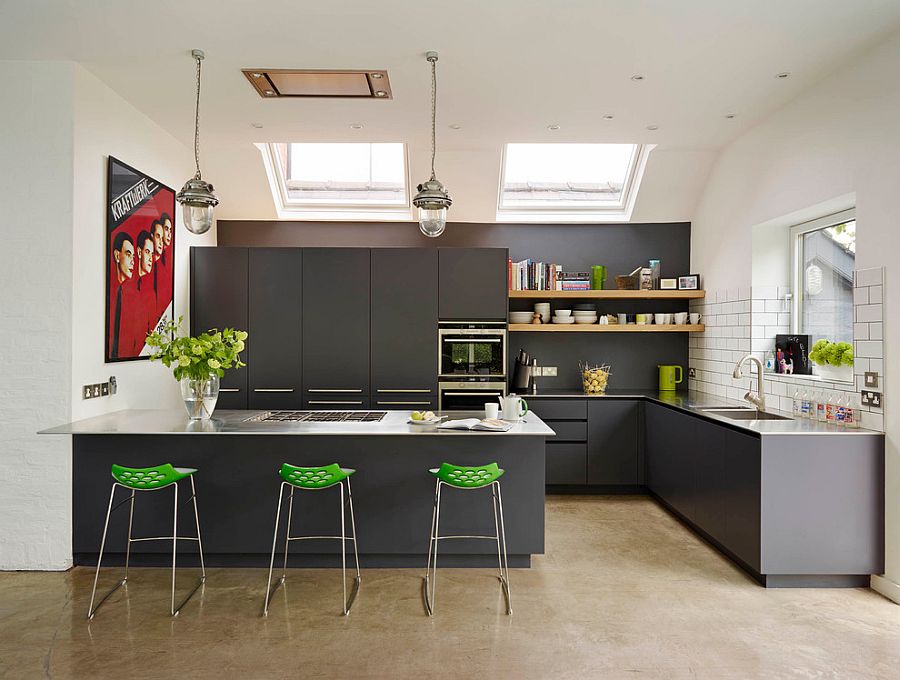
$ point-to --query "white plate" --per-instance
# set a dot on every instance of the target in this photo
(433, 421)
(563, 319)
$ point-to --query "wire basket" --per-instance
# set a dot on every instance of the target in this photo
(594, 378)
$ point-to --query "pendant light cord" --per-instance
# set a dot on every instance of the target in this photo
(433, 110)
(197, 123)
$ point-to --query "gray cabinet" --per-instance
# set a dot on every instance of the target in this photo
(473, 284)
(567, 451)
(274, 312)
(404, 311)
(335, 334)
(613, 442)
(219, 300)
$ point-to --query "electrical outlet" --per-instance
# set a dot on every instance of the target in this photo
(104, 389)
(548, 372)
(871, 379)
(692, 373)
(86, 392)
(873, 399)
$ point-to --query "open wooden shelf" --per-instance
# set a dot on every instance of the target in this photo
(608, 294)
(611, 328)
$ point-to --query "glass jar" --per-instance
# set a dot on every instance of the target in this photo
(200, 396)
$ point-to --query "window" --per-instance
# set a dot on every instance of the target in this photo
(338, 181)
(571, 182)
(823, 260)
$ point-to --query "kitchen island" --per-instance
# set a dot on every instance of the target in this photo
(238, 455)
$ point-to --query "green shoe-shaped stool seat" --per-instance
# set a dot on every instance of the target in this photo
(315, 479)
(466, 478)
(149, 479)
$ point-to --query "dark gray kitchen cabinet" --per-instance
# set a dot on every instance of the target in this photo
(670, 465)
(566, 463)
(711, 465)
(404, 308)
(275, 311)
(740, 490)
(335, 333)
(219, 300)
(473, 284)
(613, 439)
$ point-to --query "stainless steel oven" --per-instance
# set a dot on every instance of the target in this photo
(471, 350)
(469, 395)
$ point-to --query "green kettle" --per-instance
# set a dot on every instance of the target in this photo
(667, 380)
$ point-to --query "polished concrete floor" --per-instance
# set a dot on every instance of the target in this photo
(623, 591)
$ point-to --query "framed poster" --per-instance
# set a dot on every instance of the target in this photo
(689, 282)
(140, 260)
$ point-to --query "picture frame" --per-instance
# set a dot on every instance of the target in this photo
(140, 280)
(668, 284)
(689, 282)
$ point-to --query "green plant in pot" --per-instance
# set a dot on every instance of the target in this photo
(834, 360)
(198, 362)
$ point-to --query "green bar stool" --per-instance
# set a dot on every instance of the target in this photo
(149, 479)
(462, 477)
(315, 479)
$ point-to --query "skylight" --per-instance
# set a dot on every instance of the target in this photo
(569, 181)
(340, 180)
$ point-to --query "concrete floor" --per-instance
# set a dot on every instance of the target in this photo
(623, 591)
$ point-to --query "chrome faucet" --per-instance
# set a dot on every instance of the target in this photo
(758, 399)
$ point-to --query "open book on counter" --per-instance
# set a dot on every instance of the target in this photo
(489, 424)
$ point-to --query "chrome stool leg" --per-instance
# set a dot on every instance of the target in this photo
(429, 583)
(202, 579)
(197, 522)
(269, 590)
(91, 608)
(504, 572)
(356, 580)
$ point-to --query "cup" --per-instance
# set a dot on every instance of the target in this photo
(491, 410)
(694, 317)
(681, 317)
(642, 319)
(623, 318)
(564, 312)
(661, 319)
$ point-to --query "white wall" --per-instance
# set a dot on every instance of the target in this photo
(36, 322)
(839, 137)
(106, 125)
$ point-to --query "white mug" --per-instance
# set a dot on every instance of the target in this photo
(491, 410)
(662, 319)
(694, 317)
(681, 317)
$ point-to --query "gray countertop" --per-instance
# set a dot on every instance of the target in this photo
(694, 402)
(175, 421)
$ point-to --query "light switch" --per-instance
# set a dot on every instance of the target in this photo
(871, 379)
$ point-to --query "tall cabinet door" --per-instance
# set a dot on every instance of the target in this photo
(404, 327)
(473, 284)
(275, 312)
(335, 294)
(219, 300)
(613, 428)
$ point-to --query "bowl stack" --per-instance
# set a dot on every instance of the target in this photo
(520, 317)
(585, 313)
(563, 316)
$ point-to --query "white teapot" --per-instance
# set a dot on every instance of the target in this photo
(512, 407)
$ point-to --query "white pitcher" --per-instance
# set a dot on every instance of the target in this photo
(512, 407)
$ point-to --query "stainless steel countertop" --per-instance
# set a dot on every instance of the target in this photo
(175, 421)
(694, 402)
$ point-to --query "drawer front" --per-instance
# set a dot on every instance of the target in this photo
(406, 400)
(336, 402)
(559, 409)
(566, 463)
(567, 431)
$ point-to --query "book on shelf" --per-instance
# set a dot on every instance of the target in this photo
(532, 275)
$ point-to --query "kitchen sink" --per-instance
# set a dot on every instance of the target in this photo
(743, 414)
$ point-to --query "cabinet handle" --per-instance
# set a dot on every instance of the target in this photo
(473, 394)
(335, 402)
(334, 390)
(229, 389)
(407, 403)
(473, 341)
(273, 389)
(405, 391)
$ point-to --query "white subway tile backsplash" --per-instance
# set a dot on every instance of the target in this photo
(765, 292)
(872, 349)
(868, 312)
(872, 421)
(869, 277)
(860, 296)
(876, 331)
(860, 330)
(875, 294)
(765, 319)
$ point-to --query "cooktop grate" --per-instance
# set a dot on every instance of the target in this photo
(320, 417)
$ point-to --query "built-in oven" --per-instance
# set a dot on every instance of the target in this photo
(469, 395)
(471, 350)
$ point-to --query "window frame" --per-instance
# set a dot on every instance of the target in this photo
(571, 213)
(292, 208)
(797, 232)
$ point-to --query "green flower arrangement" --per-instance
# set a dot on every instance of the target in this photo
(826, 353)
(197, 358)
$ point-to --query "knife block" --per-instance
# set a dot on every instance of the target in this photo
(521, 377)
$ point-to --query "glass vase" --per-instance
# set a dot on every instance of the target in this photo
(200, 396)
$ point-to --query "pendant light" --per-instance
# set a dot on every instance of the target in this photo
(433, 200)
(196, 196)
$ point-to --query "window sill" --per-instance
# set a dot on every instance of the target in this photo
(791, 377)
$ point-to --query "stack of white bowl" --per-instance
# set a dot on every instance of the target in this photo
(520, 317)
(563, 316)
(585, 316)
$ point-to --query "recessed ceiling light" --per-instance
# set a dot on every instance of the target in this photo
(608, 116)
(270, 93)
(256, 75)
(376, 76)
(553, 127)
(380, 93)
(729, 116)
(783, 75)
(455, 126)
(256, 125)
(653, 127)
(637, 76)
(356, 126)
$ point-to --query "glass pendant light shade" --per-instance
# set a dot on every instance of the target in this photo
(432, 221)
(432, 199)
(198, 219)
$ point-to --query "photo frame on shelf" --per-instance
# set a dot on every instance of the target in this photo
(689, 282)
(668, 284)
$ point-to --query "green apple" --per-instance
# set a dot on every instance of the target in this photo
(417, 415)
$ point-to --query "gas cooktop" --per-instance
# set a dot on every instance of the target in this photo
(320, 417)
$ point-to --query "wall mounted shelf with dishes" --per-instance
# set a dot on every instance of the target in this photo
(611, 328)
(608, 294)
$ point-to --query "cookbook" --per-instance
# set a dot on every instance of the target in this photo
(487, 424)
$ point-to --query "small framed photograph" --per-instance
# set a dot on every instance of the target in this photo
(689, 282)
(668, 284)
